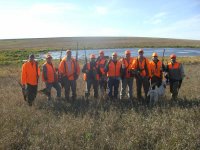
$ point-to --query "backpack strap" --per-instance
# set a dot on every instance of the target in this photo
(145, 66)
(146, 69)
(54, 73)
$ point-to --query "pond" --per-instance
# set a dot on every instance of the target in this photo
(183, 52)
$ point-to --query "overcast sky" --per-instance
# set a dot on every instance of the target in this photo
(66, 18)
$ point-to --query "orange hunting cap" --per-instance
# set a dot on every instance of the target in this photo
(114, 54)
(172, 56)
(68, 51)
(101, 52)
(48, 56)
(127, 52)
(140, 50)
(154, 55)
(92, 56)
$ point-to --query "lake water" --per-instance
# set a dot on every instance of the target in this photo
(183, 52)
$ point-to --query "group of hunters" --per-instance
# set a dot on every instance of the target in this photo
(101, 73)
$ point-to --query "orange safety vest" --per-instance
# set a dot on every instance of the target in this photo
(143, 67)
(64, 70)
(88, 68)
(114, 69)
(50, 73)
(127, 65)
(30, 73)
(101, 64)
(156, 68)
(174, 71)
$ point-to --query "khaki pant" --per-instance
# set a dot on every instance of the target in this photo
(174, 88)
(127, 82)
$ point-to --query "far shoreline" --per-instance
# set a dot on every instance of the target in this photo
(39, 44)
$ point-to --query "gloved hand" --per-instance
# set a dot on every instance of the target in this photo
(86, 71)
(94, 71)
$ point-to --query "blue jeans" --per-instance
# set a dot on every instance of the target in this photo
(103, 83)
(113, 82)
(95, 85)
(56, 86)
(142, 81)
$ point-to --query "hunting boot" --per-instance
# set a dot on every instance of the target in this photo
(30, 103)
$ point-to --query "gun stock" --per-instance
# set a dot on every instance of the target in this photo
(85, 56)
(163, 55)
(61, 54)
(75, 74)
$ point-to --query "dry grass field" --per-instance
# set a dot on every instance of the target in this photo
(78, 125)
(93, 42)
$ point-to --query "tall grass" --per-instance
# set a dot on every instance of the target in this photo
(78, 125)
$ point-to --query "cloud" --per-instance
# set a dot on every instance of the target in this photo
(184, 29)
(160, 15)
(101, 10)
(38, 20)
(52, 8)
(157, 18)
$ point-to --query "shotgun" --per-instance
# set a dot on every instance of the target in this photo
(75, 73)
(24, 91)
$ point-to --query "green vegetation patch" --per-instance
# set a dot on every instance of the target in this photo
(16, 56)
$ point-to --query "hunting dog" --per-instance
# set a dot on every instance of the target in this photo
(157, 93)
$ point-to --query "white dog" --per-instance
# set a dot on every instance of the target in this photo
(157, 93)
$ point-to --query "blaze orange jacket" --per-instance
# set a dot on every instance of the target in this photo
(143, 67)
(101, 64)
(156, 68)
(29, 73)
(127, 66)
(89, 69)
(114, 69)
(49, 73)
(64, 69)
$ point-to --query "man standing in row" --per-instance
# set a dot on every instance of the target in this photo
(176, 75)
(126, 77)
(101, 62)
(91, 76)
(69, 70)
(50, 77)
(113, 69)
(141, 66)
(156, 67)
(29, 78)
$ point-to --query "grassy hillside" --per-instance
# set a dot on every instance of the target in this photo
(93, 42)
(113, 126)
